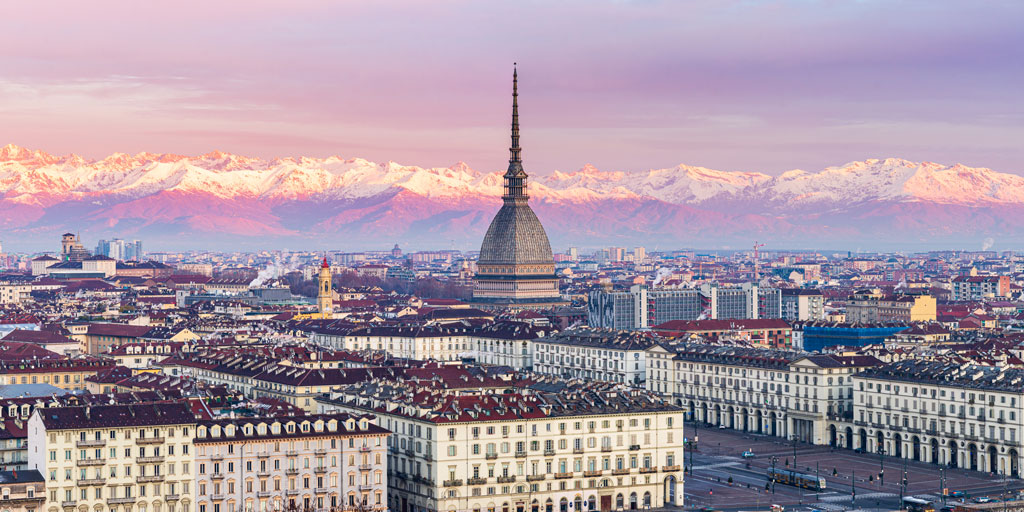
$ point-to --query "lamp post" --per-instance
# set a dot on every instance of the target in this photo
(774, 460)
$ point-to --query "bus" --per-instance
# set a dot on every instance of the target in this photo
(797, 478)
(912, 504)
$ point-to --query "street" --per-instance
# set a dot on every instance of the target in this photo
(718, 457)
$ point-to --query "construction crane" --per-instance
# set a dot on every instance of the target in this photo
(757, 262)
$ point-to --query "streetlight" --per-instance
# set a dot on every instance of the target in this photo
(774, 460)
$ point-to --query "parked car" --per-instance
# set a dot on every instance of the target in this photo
(957, 494)
(983, 499)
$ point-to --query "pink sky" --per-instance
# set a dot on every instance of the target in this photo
(734, 85)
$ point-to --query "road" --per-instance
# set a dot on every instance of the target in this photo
(717, 458)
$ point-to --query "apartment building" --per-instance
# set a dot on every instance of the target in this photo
(641, 307)
(966, 288)
(318, 462)
(115, 457)
(595, 354)
(802, 304)
(966, 416)
(871, 306)
(63, 373)
(498, 341)
(775, 392)
(22, 491)
(580, 449)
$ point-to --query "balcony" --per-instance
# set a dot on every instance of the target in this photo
(263, 455)
(291, 453)
(149, 460)
(366, 487)
(217, 457)
(149, 440)
(506, 479)
(90, 462)
(292, 492)
(364, 448)
(452, 483)
(520, 455)
(534, 478)
(69, 504)
(217, 476)
(322, 490)
(669, 469)
(365, 467)
(217, 497)
(91, 443)
(606, 448)
(477, 481)
(594, 473)
(649, 470)
(120, 501)
(262, 474)
(409, 452)
(634, 447)
(320, 469)
(91, 481)
(171, 497)
(562, 476)
(264, 494)
(150, 478)
(548, 453)
(577, 450)
(620, 471)
(291, 471)
(320, 452)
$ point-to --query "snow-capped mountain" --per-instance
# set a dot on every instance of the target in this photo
(219, 199)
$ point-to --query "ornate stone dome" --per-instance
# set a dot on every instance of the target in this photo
(516, 237)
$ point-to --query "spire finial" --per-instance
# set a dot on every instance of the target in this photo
(515, 178)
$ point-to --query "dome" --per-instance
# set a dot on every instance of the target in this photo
(515, 237)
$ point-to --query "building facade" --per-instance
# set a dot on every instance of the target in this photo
(115, 457)
(319, 462)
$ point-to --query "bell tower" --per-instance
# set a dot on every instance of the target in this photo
(324, 298)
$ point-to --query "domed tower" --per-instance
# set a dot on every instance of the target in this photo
(515, 268)
(324, 298)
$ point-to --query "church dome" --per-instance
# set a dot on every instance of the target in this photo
(515, 237)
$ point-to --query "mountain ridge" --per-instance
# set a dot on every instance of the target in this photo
(312, 200)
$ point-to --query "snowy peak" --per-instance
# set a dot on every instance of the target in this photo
(29, 175)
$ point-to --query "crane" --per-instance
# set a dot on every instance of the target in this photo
(757, 262)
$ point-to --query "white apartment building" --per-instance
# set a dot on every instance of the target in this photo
(966, 416)
(135, 457)
(576, 451)
(320, 462)
(780, 393)
(595, 354)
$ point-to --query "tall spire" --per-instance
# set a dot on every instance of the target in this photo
(515, 177)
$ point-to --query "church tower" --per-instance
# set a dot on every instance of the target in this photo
(324, 299)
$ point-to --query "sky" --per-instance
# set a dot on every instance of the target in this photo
(624, 85)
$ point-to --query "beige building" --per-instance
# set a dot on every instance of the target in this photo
(873, 307)
(321, 462)
(22, 491)
(578, 450)
(134, 457)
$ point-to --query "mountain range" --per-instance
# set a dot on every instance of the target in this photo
(226, 201)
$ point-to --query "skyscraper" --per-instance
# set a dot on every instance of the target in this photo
(516, 268)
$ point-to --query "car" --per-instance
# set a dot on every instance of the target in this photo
(983, 499)
(748, 454)
(720, 427)
(946, 509)
(957, 494)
